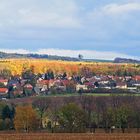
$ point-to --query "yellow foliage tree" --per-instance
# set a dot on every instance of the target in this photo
(25, 119)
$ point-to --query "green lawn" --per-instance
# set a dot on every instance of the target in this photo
(90, 94)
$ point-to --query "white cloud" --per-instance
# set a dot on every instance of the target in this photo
(88, 54)
(43, 14)
(115, 21)
(121, 8)
(20, 51)
(115, 9)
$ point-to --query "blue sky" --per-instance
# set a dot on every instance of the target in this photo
(101, 29)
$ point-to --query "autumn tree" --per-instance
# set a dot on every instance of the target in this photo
(49, 75)
(71, 118)
(122, 115)
(70, 87)
(5, 73)
(30, 76)
(86, 72)
(25, 118)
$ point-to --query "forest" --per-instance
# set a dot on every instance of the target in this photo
(17, 66)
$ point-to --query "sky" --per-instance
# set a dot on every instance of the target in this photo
(97, 29)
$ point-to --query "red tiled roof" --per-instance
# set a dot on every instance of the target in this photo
(52, 81)
(3, 80)
(87, 83)
(3, 90)
(44, 82)
(65, 82)
(121, 84)
(137, 77)
(29, 86)
(58, 83)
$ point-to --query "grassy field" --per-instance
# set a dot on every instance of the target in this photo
(90, 94)
(29, 100)
(76, 94)
(45, 136)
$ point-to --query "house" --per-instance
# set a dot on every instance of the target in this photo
(83, 87)
(46, 122)
(110, 77)
(42, 83)
(42, 86)
(3, 91)
(98, 78)
(13, 83)
(83, 79)
(104, 79)
(91, 80)
(18, 91)
(132, 88)
(65, 82)
(51, 83)
(104, 82)
(28, 86)
(23, 82)
(4, 81)
(104, 86)
(137, 84)
(90, 85)
(60, 84)
(28, 89)
(137, 78)
(118, 78)
(128, 78)
(121, 85)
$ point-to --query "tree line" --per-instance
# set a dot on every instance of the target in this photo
(72, 114)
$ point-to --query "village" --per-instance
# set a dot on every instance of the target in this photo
(49, 84)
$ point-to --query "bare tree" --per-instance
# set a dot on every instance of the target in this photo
(42, 104)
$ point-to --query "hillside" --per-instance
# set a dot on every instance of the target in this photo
(64, 58)
(36, 56)
(125, 60)
(49, 57)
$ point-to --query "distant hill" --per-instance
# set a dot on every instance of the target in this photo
(125, 60)
(97, 60)
(64, 58)
(45, 56)
(37, 56)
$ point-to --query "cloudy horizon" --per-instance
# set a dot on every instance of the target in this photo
(87, 54)
(97, 30)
